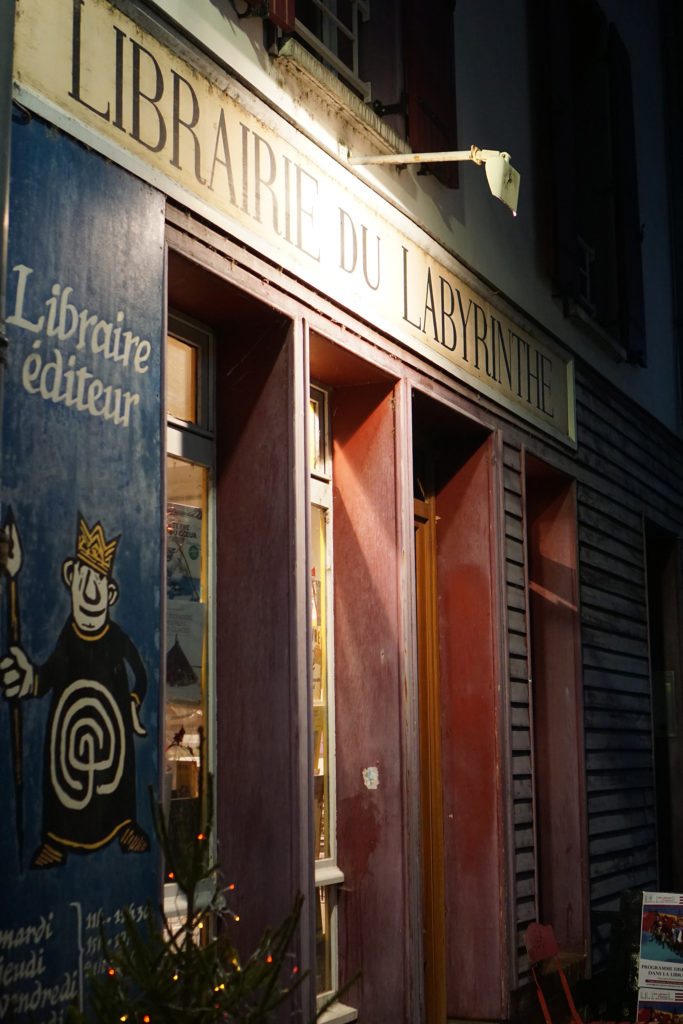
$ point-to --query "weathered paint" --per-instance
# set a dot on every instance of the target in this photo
(476, 947)
(373, 900)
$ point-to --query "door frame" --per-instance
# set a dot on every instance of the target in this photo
(431, 780)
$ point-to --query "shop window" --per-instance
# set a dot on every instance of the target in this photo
(397, 57)
(589, 210)
(189, 539)
(327, 873)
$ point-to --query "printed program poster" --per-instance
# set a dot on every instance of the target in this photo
(660, 974)
(660, 1006)
(661, 941)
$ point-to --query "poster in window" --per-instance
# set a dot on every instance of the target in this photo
(80, 602)
(185, 611)
(184, 552)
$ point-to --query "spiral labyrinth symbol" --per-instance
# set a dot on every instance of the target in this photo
(87, 744)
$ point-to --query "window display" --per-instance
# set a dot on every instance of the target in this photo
(326, 871)
(188, 538)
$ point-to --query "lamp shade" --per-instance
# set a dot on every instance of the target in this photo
(503, 179)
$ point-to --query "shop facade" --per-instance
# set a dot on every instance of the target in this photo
(407, 564)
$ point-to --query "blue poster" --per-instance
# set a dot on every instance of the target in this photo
(80, 490)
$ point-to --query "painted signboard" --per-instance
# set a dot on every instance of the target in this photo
(224, 153)
(80, 602)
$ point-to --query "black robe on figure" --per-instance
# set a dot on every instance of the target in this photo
(89, 781)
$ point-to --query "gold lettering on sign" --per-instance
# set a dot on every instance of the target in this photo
(223, 153)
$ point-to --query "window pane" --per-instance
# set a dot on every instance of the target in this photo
(317, 436)
(186, 636)
(322, 940)
(181, 380)
(327, 873)
(320, 696)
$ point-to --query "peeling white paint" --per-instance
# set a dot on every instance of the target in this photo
(371, 777)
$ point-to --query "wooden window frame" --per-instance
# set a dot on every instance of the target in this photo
(195, 443)
(328, 875)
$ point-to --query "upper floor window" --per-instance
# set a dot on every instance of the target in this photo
(398, 58)
(586, 142)
(330, 28)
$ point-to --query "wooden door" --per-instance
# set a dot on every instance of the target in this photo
(465, 897)
(431, 796)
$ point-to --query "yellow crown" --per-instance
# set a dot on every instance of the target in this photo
(93, 549)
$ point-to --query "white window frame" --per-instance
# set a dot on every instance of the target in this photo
(328, 875)
(323, 44)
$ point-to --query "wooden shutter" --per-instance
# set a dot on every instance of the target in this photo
(429, 61)
(280, 12)
(627, 212)
(553, 69)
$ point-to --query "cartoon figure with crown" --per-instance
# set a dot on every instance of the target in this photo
(89, 781)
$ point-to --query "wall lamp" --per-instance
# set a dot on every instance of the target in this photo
(503, 179)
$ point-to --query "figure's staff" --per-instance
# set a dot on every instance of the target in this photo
(79, 939)
(14, 559)
(7, 19)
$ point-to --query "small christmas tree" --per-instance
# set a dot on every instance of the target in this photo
(162, 972)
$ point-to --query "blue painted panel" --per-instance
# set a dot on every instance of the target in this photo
(80, 614)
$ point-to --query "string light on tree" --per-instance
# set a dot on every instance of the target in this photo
(187, 970)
